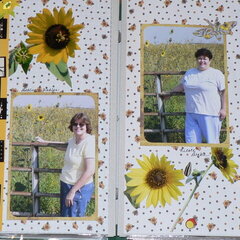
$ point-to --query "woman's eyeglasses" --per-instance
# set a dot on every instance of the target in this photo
(78, 124)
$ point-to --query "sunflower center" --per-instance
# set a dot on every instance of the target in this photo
(57, 36)
(221, 159)
(156, 178)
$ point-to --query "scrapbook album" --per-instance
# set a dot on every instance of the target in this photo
(154, 86)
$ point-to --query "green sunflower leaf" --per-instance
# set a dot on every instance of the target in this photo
(24, 62)
(127, 193)
(60, 71)
(13, 64)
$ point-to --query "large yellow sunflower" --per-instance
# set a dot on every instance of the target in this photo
(222, 160)
(7, 6)
(156, 179)
(53, 36)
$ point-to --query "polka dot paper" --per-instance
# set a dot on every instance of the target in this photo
(61, 49)
(170, 187)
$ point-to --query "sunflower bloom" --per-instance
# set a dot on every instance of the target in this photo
(54, 37)
(29, 107)
(156, 180)
(147, 43)
(222, 160)
(226, 26)
(163, 53)
(40, 118)
(7, 6)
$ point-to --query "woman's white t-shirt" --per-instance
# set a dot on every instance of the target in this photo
(202, 91)
(74, 164)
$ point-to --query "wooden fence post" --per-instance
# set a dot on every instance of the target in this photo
(161, 109)
(35, 180)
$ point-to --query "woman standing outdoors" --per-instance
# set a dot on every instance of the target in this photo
(76, 179)
(205, 100)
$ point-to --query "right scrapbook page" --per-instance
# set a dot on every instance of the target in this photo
(179, 120)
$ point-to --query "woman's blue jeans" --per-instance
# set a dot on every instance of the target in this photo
(80, 200)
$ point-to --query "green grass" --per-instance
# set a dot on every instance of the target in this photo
(174, 58)
(53, 125)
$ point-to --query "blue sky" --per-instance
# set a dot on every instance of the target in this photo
(162, 34)
(71, 101)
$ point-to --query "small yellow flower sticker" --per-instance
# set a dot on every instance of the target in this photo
(7, 6)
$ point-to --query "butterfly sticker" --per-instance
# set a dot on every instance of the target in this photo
(215, 29)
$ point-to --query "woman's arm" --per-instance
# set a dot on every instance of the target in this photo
(88, 173)
(178, 88)
(223, 112)
(61, 148)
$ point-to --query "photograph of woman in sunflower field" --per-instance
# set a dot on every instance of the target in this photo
(168, 53)
(50, 116)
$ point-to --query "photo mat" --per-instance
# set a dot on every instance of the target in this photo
(35, 167)
(167, 52)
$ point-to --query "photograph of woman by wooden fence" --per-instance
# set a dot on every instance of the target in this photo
(167, 53)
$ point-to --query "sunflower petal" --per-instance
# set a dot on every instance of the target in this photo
(149, 201)
(36, 49)
(139, 190)
(136, 173)
(144, 165)
(161, 197)
(154, 197)
(135, 182)
(166, 195)
(142, 195)
(68, 19)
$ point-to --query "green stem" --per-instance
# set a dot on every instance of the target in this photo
(190, 197)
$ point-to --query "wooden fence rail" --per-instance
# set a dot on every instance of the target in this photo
(159, 94)
(35, 194)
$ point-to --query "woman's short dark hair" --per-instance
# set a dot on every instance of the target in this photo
(84, 119)
(203, 52)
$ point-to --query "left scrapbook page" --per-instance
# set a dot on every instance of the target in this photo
(56, 86)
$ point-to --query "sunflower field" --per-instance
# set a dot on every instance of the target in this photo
(172, 57)
(50, 123)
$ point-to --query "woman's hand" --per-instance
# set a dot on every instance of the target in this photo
(69, 198)
(166, 95)
(39, 139)
(222, 114)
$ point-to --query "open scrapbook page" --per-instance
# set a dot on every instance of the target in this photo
(119, 118)
(55, 68)
(181, 61)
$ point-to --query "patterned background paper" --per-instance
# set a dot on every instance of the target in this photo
(90, 73)
(215, 204)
